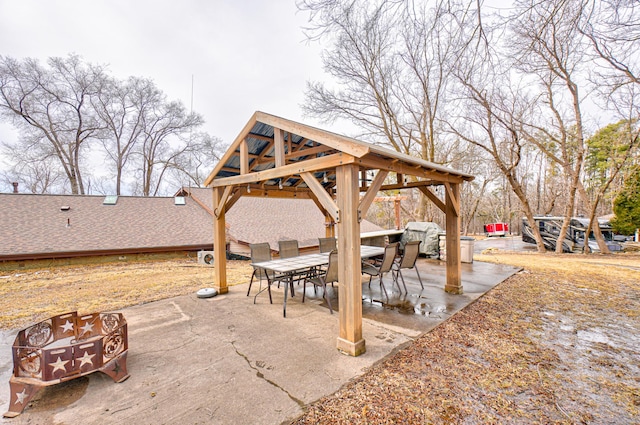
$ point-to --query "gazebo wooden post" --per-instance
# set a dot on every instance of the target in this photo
(350, 340)
(219, 242)
(452, 211)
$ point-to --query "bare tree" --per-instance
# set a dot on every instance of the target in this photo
(546, 43)
(392, 63)
(562, 42)
(491, 121)
(193, 166)
(34, 171)
(62, 108)
(52, 106)
(122, 107)
(475, 192)
(165, 136)
(613, 28)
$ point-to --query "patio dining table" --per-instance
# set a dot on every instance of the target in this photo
(290, 267)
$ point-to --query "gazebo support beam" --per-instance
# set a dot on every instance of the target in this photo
(278, 138)
(219, 243)
(321, 195)
(454, 269)
(309, 165)
(372, 191)
(433, 198)
(330, 226)
(350, 340)
(244, 157)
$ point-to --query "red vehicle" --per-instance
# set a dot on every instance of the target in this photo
(496, 229)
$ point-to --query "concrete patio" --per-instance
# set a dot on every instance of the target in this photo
(226, 360)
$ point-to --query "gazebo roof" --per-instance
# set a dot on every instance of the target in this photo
(273, 151)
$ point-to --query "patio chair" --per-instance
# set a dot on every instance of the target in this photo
(385, 266)
(261, 252)
(330, 276)
(407, 261)
(327, 244)
(288, 248)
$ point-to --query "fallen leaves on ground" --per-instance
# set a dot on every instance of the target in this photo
(556, 343)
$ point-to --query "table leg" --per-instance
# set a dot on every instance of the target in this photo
(284, 305)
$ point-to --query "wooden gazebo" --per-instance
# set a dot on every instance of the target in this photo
(276, 157)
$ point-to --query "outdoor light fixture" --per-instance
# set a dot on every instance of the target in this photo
(248, 188)
(280, 184)
(404, 182)
(325, 179)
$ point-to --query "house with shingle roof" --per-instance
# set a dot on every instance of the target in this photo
(270, 219)
(34, 226)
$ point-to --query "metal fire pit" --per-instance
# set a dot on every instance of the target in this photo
(65, 347)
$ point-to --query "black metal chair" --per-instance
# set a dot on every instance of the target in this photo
(407, 261)
(330, 276)
(390, 252)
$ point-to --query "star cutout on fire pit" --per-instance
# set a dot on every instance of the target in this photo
(86, 359)
(87, 327)
(21, 396)
(59, 365)
(68, 326)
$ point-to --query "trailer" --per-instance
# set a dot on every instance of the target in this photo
(496, 229)
(574, 238)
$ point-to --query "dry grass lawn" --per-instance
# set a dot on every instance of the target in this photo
(32, 295)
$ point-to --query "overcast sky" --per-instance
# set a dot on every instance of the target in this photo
(243, 55)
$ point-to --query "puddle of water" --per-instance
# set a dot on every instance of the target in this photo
(594, 336)
(375, 302)
(440, 309)
(408, 307)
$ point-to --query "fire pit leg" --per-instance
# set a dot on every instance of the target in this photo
(117, 368)
(21, 395)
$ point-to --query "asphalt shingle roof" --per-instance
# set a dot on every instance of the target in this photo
(256, 219)
(37, 224)
(42, 226)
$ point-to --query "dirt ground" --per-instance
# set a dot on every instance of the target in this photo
(557, 343)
